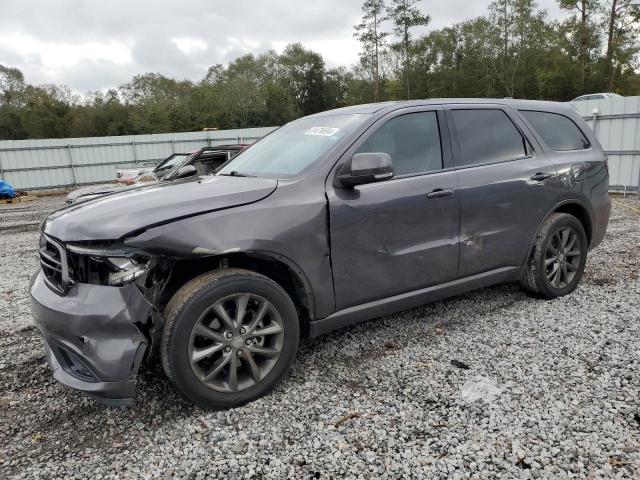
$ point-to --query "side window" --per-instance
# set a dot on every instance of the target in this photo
(557, 131)
(412, 141)
(209, 162)
(487, 136)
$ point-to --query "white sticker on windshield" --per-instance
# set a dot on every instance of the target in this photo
(322, 131)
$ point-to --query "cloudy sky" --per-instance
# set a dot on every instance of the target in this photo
(97, 44)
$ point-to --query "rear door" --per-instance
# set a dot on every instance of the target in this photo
(400, 234)
(506, 186)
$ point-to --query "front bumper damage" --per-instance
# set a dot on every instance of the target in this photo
(93, 336)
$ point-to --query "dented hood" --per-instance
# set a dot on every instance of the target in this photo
(114, 216)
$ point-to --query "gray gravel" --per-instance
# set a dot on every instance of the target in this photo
(378, 400)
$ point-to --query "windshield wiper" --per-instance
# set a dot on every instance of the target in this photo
(235, 173)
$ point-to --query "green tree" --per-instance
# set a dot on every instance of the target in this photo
(280, 107)
(582, 35)
(369, 33)
(101, 113)
(46, 111)
(157, 103)
(622, 20)
(241, 87)
(404, 16)
(303, 74)
(337, 83)
(12, 89)
(522, 35)
(515, 50)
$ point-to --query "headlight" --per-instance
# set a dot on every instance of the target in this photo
(125, 270)
(112, 265)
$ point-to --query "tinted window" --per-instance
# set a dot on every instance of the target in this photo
(412, 140)
(487, 136)
(557, 131)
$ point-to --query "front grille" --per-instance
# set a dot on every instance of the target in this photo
(53, 259)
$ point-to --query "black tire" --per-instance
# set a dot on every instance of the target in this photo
(189, 306)
(542, 263)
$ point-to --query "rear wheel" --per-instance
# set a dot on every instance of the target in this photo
(558, 257)
(230, 336)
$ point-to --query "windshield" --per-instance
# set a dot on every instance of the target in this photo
(182, 161)
(292, 148)
(171, 161)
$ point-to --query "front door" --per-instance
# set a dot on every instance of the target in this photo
(401, 234)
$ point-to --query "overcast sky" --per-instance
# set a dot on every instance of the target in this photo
(97, 44)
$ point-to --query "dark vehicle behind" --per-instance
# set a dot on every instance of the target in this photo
(205, 161)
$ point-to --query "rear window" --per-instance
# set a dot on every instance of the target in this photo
(487, 136)
(557, 131)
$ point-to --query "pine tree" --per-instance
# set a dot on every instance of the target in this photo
(405, 15)
(369, 33)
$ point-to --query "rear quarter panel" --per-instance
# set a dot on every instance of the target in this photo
(583, 177)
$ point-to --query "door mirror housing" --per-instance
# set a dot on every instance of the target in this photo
(367, 168)
(186, 171)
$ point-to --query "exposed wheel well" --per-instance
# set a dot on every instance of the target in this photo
(276, 270)
(581, 214)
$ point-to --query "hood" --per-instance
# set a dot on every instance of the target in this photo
(93, 190)
(115, 215)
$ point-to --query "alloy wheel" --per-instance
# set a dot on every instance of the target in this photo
(562, 257)
(236, 342)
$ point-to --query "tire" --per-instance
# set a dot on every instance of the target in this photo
(553, 270)
(198, 338)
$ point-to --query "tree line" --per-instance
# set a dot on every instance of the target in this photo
(514, 50)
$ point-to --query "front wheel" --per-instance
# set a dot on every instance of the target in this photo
(558, 258)
(230, 336)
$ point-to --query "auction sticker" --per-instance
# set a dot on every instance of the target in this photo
(322, 131)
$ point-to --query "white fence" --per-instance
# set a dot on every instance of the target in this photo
(38, 164)
(616, 123)
(55, 163)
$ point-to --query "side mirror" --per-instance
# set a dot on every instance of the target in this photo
(367, 168)
(186, 171)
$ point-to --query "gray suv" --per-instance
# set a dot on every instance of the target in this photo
(333, 219)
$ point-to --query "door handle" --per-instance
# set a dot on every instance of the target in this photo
(440, 192)
(540, 176)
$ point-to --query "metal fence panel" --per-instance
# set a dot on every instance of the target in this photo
(52, 163)
(617, 126)
(35, 164)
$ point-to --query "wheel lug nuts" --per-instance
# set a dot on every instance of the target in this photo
(248, 342)
(228, 335)
(228, 349)
(242, 331)
(239, 353)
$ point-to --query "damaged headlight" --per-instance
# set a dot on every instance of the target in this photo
(107, 266)
(125, 270)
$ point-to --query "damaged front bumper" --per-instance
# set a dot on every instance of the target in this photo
(92, 336)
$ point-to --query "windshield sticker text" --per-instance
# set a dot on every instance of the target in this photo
(322, 131)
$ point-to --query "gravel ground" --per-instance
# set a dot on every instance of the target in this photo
(378, 400)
